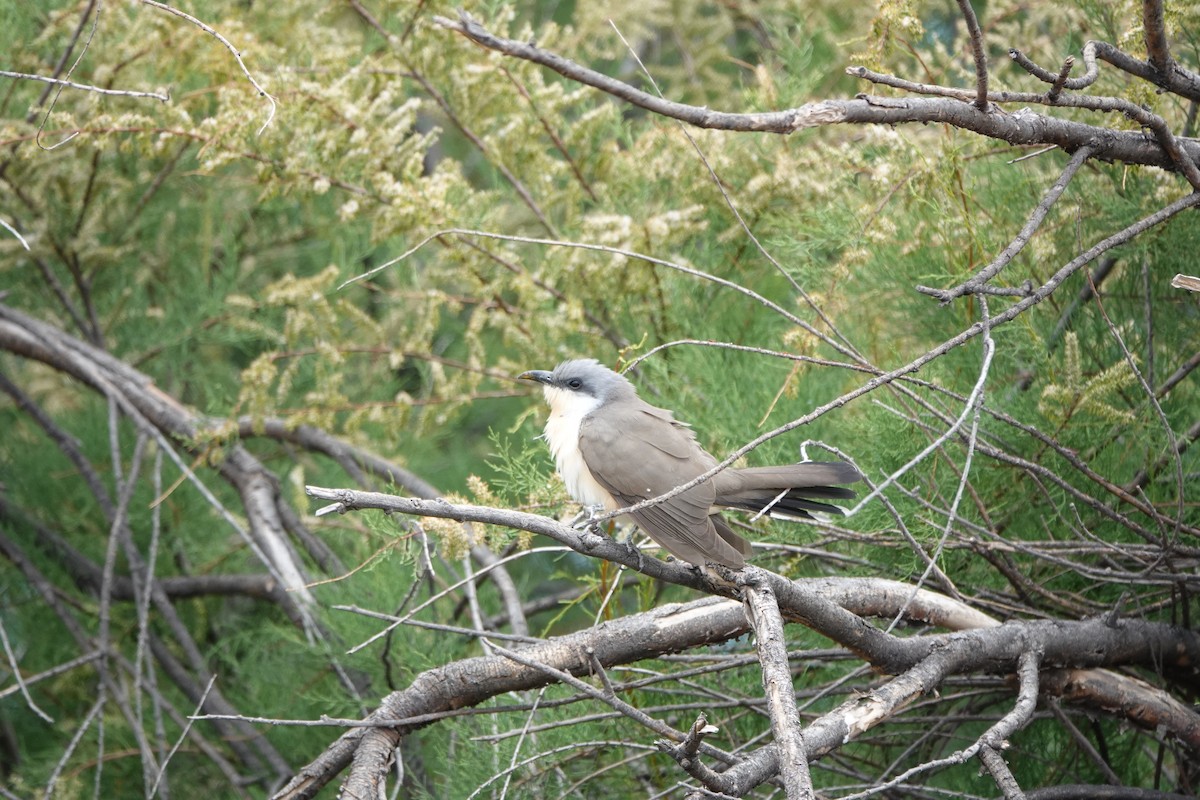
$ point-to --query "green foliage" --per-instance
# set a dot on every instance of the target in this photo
(1080, 393)
(524, 472)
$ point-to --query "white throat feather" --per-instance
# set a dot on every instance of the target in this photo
(567, 411)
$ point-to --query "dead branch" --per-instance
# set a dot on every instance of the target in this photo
(84, 87)
(1023, 128)
(769, 640)
(921, 663)
(174, 427)
(978, 282)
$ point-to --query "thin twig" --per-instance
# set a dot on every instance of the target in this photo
(162, 771)
(1061, 80)
(559, 144)
(66, 666)
(92, 714)
(1082, 82)
(87, 44)
(1152, 398)
(236, 54)
(22, 686)
(14, 232)
(83, 86)
(973, 407)
(842, 344)
(458, 584)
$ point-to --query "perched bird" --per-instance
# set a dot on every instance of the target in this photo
(614, 449)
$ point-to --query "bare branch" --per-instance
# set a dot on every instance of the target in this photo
(1158, 54)
(1020, 129)
(1180, 81)
(1014, 247)
(4, 223)
(1188, 282)
(84, 87)
(1061, 81)
(167, 422)
(162, 771)
(799, 602)
(994, 762)
(981, 68)
(84, 726)
(769, 640)
(641, 636)
(21, 683)
(1174, 148)
(92, 4)
(1027, 695)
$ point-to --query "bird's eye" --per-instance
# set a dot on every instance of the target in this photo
(574, 383)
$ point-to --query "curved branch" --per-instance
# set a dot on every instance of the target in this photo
(1184, 83)
(1022, 128)
(1087, 79)
(1089, 643)
(441, 690)
(237, 55)
(174, 427)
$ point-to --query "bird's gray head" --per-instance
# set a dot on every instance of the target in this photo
(581, 380)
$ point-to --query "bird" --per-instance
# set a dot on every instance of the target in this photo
(614, 449)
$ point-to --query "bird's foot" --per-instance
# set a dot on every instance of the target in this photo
(634, 552)
(586, 518)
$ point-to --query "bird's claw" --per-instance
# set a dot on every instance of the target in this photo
(634, 552)
(586, 518)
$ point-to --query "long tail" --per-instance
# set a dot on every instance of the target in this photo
(801, 486)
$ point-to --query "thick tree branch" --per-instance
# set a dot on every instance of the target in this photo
(1158, 53)
(994, 741)
(798, 602)
(1180, 81)
(174, 427)
(181, 427)
(975, 36)
(1183, 162)
(711, 620)
(1023, 128)
(471, 681)
(769, 640)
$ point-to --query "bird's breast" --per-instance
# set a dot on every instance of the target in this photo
(562, 435)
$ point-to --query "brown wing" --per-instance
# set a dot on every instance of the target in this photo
(637, 451)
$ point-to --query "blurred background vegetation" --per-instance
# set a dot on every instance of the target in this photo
(211, 256)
